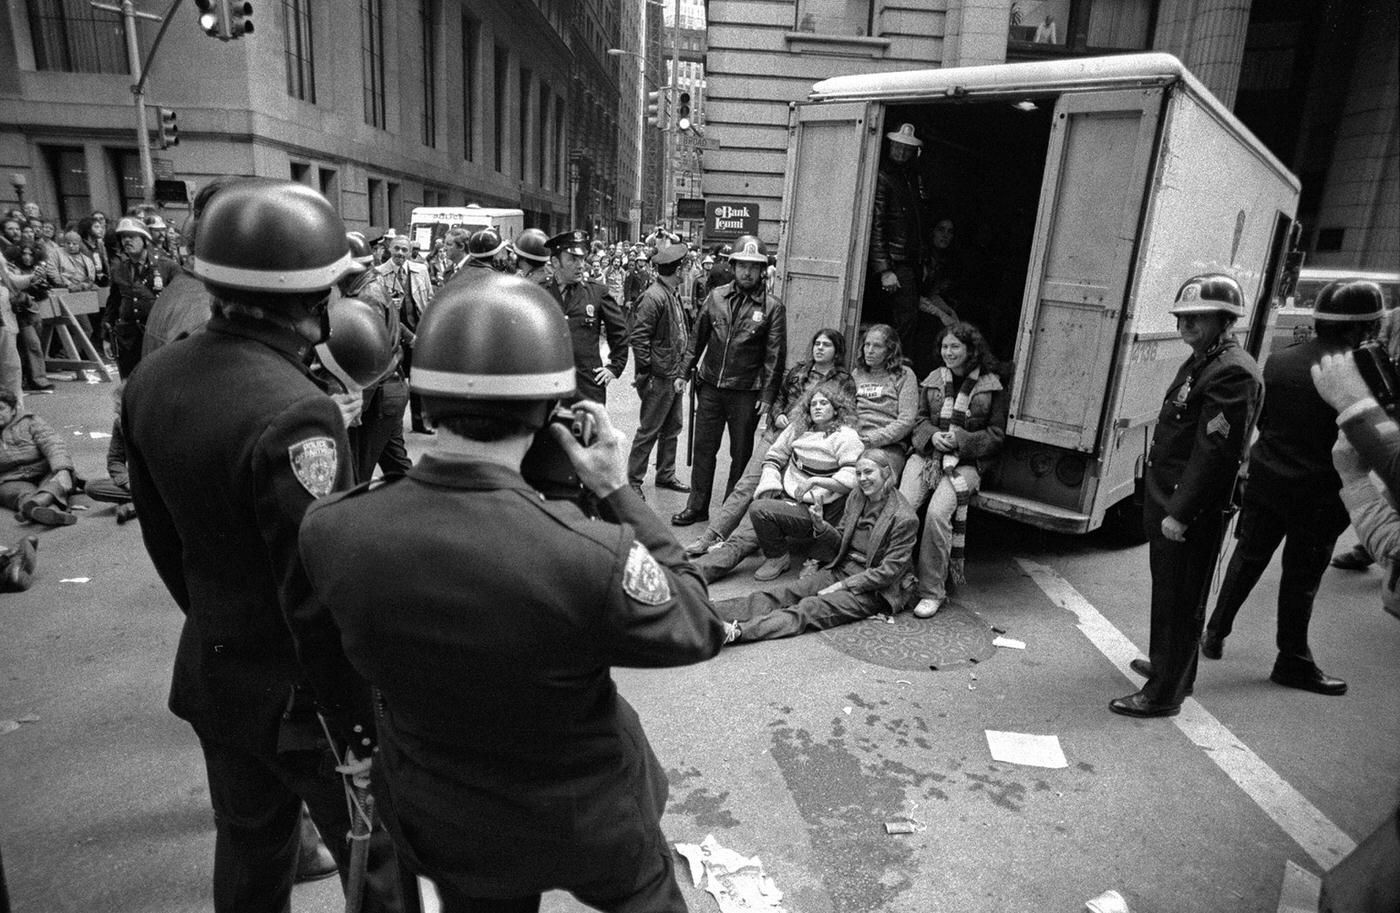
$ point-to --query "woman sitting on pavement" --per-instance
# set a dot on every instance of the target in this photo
(36, 472)
(870, 573)
(828, 353)
(887, 394)
(962, 421)
(811, 463)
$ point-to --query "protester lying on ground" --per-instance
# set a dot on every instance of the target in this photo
(962, 421)
(870, 573)
(887, 394)
(36, 472)
(812, 462)
(827, 354)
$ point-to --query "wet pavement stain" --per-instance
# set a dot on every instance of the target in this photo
(706, 808)
(1007, 794)
(845, 806)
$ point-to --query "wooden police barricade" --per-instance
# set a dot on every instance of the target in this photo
(58, 314)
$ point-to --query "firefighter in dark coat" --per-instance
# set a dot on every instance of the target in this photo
(591, 311)
(228, 442)
(1200, 441)
(1294, 494)
(488, 618)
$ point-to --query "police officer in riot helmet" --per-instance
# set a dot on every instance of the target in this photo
(229, 442)
(509, 612)
(1202, 432)
(486, 250)
(532, 255)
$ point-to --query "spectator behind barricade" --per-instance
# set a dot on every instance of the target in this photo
(870, 573)
(75, 265)
(93, 232)
(11, 284)
(116, 488)
(1369, 444)
(811, 462)
(36, 472)
(30, 263)
(955, 443)
(825, 362)
(887, 394)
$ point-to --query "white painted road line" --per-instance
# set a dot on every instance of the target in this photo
(1300, 890)
(1319, 838)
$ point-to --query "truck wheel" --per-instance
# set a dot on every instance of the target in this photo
(1123, 521)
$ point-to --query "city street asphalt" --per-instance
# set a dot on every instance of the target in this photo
(796, 751)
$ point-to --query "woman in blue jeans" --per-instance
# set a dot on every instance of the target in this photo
(869, 574)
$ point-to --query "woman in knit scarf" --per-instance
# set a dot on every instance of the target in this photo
(961, 424)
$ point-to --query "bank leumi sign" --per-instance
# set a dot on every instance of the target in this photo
(729, 219)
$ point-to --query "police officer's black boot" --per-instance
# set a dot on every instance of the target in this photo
(314, 861)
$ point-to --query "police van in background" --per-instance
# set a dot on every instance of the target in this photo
(1295, 315)
(428, 224)
(1100, 185)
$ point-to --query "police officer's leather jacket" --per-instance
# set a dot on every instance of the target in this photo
(897, 230)
(740, 341)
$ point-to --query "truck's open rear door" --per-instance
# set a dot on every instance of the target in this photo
(1090, 208)
(833, 154)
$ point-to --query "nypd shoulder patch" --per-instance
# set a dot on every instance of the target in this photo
(315, 463)
(643, 579)
(1219, 425)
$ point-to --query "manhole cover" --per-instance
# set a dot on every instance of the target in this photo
(952, 638)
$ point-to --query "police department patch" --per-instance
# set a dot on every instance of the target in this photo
(643, 579)
(1219, 425)
(314, 462)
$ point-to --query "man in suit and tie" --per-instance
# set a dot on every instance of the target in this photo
(406, 282)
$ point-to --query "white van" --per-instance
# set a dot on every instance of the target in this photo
(1108, 182)
(429, 223)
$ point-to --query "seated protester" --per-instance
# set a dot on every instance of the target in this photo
(17, 563)
(828, 353)
(812, 462)
(116, 488)
(36, 472)
(870, 574)
(962, 421)
(887, 394)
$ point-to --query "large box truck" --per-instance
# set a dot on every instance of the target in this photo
(1101, 184)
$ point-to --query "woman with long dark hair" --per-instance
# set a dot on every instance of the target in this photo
(887, 394)
(962, 421)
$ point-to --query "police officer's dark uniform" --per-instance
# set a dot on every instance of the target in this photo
(1293, 494)
(736, 363)
(592, 312)
(487, 619)
(1199, 443)
(897, 237)
(378, 439)
(229, 441)
(660, 338)
(136, 284)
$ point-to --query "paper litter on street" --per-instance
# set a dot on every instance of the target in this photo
(1009, 642)
(738, 883)
(98, 435)
(75, 580)
(1025, 748)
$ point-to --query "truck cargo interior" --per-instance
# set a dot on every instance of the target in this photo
(982, 165)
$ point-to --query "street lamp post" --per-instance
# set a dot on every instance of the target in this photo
(641, 131)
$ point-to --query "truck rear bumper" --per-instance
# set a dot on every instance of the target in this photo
(1034, 513)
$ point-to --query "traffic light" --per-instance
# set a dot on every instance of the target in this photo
(240, 20)
(169, 128)
(657, 113)
(683, 112)
(214, 18)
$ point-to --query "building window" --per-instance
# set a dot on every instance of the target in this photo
(834, 17)
(542, 135)
(126, 164)
(68, 166)
(523, 125)
(376, 202)
(427, 17)
(330, 186)
(560, 155)
(72, 37)
(372, 61)
(1049, 28)
(502, 78)
(301, 72)
(395, 212)
(469, 42)
(301, 173)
